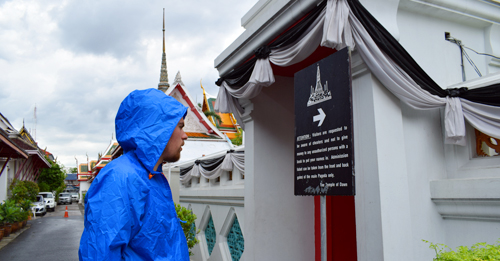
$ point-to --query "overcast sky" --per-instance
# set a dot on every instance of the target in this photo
(77, 60)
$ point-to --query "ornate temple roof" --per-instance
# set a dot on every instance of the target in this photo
(19, 144)
(197, 125)
(227, 125)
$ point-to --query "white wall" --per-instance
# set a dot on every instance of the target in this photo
(423, 38)
(383, 215)
(84, 186)
(280, 225)
(425, 162)
(428, 158)
(220, 215)
(399, 154)
(460, 232)
(4, 181)
(223, 201)
(7, 177)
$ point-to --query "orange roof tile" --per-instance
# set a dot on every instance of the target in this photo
(196, 135)
(231, 135)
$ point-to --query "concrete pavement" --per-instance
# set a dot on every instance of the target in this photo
(48, 238)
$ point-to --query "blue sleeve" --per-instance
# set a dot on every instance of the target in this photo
(113, 208)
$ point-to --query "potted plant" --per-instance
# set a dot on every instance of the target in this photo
(2, 230)
(11, 214)
(7, 227)
(25, 211)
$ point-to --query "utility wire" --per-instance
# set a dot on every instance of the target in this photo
(487, 54)
(472, 63)
(464, 53)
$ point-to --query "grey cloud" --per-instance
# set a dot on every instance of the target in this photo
(101, 27)
(116, 27)
(76, 113)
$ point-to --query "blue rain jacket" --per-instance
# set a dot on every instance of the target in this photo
(127, 215)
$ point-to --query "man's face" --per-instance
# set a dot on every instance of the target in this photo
(172, 151)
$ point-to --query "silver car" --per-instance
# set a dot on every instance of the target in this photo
(74, 196)
(38, 207)
(65, 198)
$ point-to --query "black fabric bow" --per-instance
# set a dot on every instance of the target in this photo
(262, 52)
(219, 81)
(456, 92)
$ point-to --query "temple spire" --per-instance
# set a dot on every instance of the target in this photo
(163, 85)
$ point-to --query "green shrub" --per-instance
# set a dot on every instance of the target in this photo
(60, 190)
(477, 252)
(23, 190)
(187, 215)
(33, 190)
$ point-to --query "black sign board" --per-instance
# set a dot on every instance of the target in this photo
(324, 152)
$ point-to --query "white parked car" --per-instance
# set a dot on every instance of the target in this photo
(75, 196)
(50, 200)
(38, 207)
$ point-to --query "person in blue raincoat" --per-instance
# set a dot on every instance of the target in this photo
(129, 211)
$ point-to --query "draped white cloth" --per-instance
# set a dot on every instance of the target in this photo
(337, 27)
(231, 160)
(483, 117)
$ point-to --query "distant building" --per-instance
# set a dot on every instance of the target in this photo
(71, 180)
(20, 156)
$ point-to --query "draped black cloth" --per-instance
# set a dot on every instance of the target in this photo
(208, 164)
(489, 95)
(239, 76)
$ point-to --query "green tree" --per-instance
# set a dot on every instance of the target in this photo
(53, 177)
(73, 170)
(44, 187)
(238, 140)
(214, 115)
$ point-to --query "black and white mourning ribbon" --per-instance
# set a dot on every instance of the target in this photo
(241, 75)
(489, 95)
(336, 25)
(213, 168)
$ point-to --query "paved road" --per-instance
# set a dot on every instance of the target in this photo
(50, 238)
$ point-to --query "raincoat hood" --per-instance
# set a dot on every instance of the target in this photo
(145, 122)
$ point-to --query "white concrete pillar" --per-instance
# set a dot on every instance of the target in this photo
(173, 177)
(383, 218)
(278, 225)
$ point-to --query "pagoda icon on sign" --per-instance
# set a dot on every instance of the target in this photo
(319, 93)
